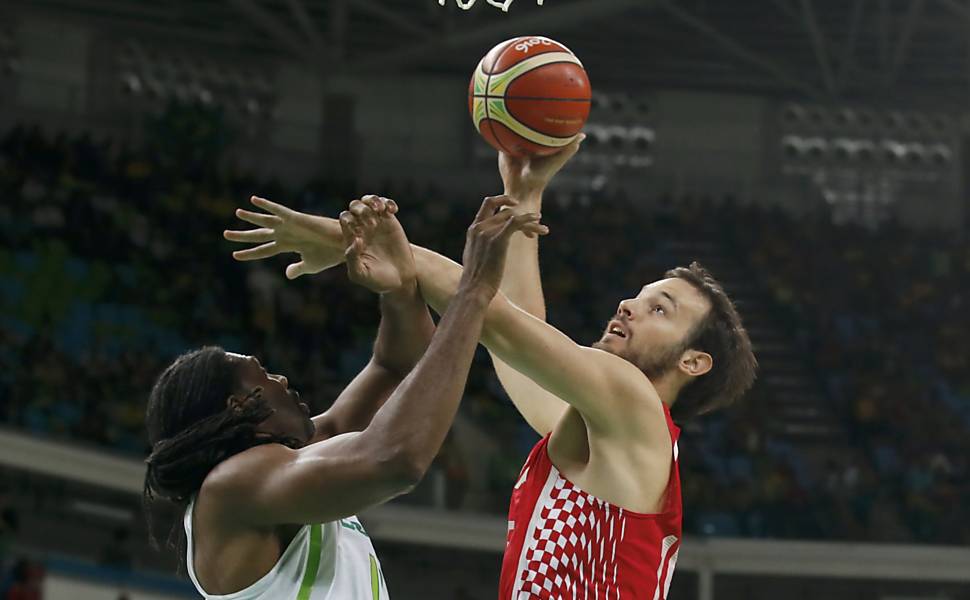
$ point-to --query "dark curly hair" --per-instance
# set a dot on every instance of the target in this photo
(722, 335)
(192, 429)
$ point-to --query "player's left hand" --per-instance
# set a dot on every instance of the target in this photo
(280, 229)
(377, 250)
(525, 178)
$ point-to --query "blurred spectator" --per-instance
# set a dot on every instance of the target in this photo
(26, 581)
(117, 553)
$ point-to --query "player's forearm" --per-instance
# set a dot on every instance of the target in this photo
(529, 345)
(522, 283)
(405, 330)
(413, 423)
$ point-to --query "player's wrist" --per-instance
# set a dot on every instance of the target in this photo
(405, 293)
(529, 199)
(474, 293)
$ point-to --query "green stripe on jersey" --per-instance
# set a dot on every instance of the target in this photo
(312, 563)
(375, 578)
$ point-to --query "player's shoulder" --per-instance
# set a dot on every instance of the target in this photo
(237, 476)
(633, 392)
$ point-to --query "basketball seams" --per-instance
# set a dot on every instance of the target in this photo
(488, 117)
(518, 76)
(532, 135)
(540, 131)
(543, 98)
(498, 55)
(524, 67)
(533, 52)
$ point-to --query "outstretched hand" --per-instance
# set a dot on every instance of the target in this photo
(525, 177)
(281, 229)
(377, 250)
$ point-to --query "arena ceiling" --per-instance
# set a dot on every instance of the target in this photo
(899, 52)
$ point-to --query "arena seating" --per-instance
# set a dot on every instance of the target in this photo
(112, 262)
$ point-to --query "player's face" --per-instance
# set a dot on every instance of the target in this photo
(291, 416)
(650, 330)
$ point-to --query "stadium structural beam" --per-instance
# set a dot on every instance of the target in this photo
(580, 11)
(819, 45)
(135, 26)
(785, 7)
(339, 17)
(777, 71)
(268, 22)
(303, 20)
(376, 9)
(110, 7)
(885, 33)
(905, 36)
(848, 51)
(955, 7)
(845, 51)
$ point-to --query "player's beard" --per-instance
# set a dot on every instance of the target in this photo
(660, 362)
(655, 362)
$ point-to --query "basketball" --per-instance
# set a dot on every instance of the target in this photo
(529, 96)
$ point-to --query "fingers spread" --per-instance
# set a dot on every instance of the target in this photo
(271, 207)
(254, 236)
(260, 219)
(264, 251)
(295, 270)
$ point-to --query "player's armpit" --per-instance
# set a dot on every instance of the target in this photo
(606, 389)
(541, 409)
(272, 484)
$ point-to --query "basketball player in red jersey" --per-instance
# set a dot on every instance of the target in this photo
(596, 512)
(597, 508)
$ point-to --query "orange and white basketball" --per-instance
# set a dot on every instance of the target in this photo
(529, 96)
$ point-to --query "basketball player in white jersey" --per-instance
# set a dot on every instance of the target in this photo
(270, 494)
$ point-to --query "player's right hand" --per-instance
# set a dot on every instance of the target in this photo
(378, 254)
(526, 177)
(488, 241)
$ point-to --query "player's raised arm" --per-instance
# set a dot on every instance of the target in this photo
(597, 383)
(610, 392)
(525, 181)
(402, 338)
(342, 475)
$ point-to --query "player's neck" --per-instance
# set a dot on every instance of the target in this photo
(667, 388)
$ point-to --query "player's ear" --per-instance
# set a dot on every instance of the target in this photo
(696, 363)
(234, 402)
(238, 400)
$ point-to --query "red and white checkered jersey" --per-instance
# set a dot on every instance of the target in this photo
(566, 544)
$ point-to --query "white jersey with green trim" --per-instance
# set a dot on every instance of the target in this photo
(324, 561)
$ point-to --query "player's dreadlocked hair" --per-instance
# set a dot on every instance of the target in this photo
(722, 335)
(192, 429)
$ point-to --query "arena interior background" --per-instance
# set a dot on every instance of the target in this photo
(811, 153)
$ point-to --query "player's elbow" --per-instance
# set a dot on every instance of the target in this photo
(406, 466)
